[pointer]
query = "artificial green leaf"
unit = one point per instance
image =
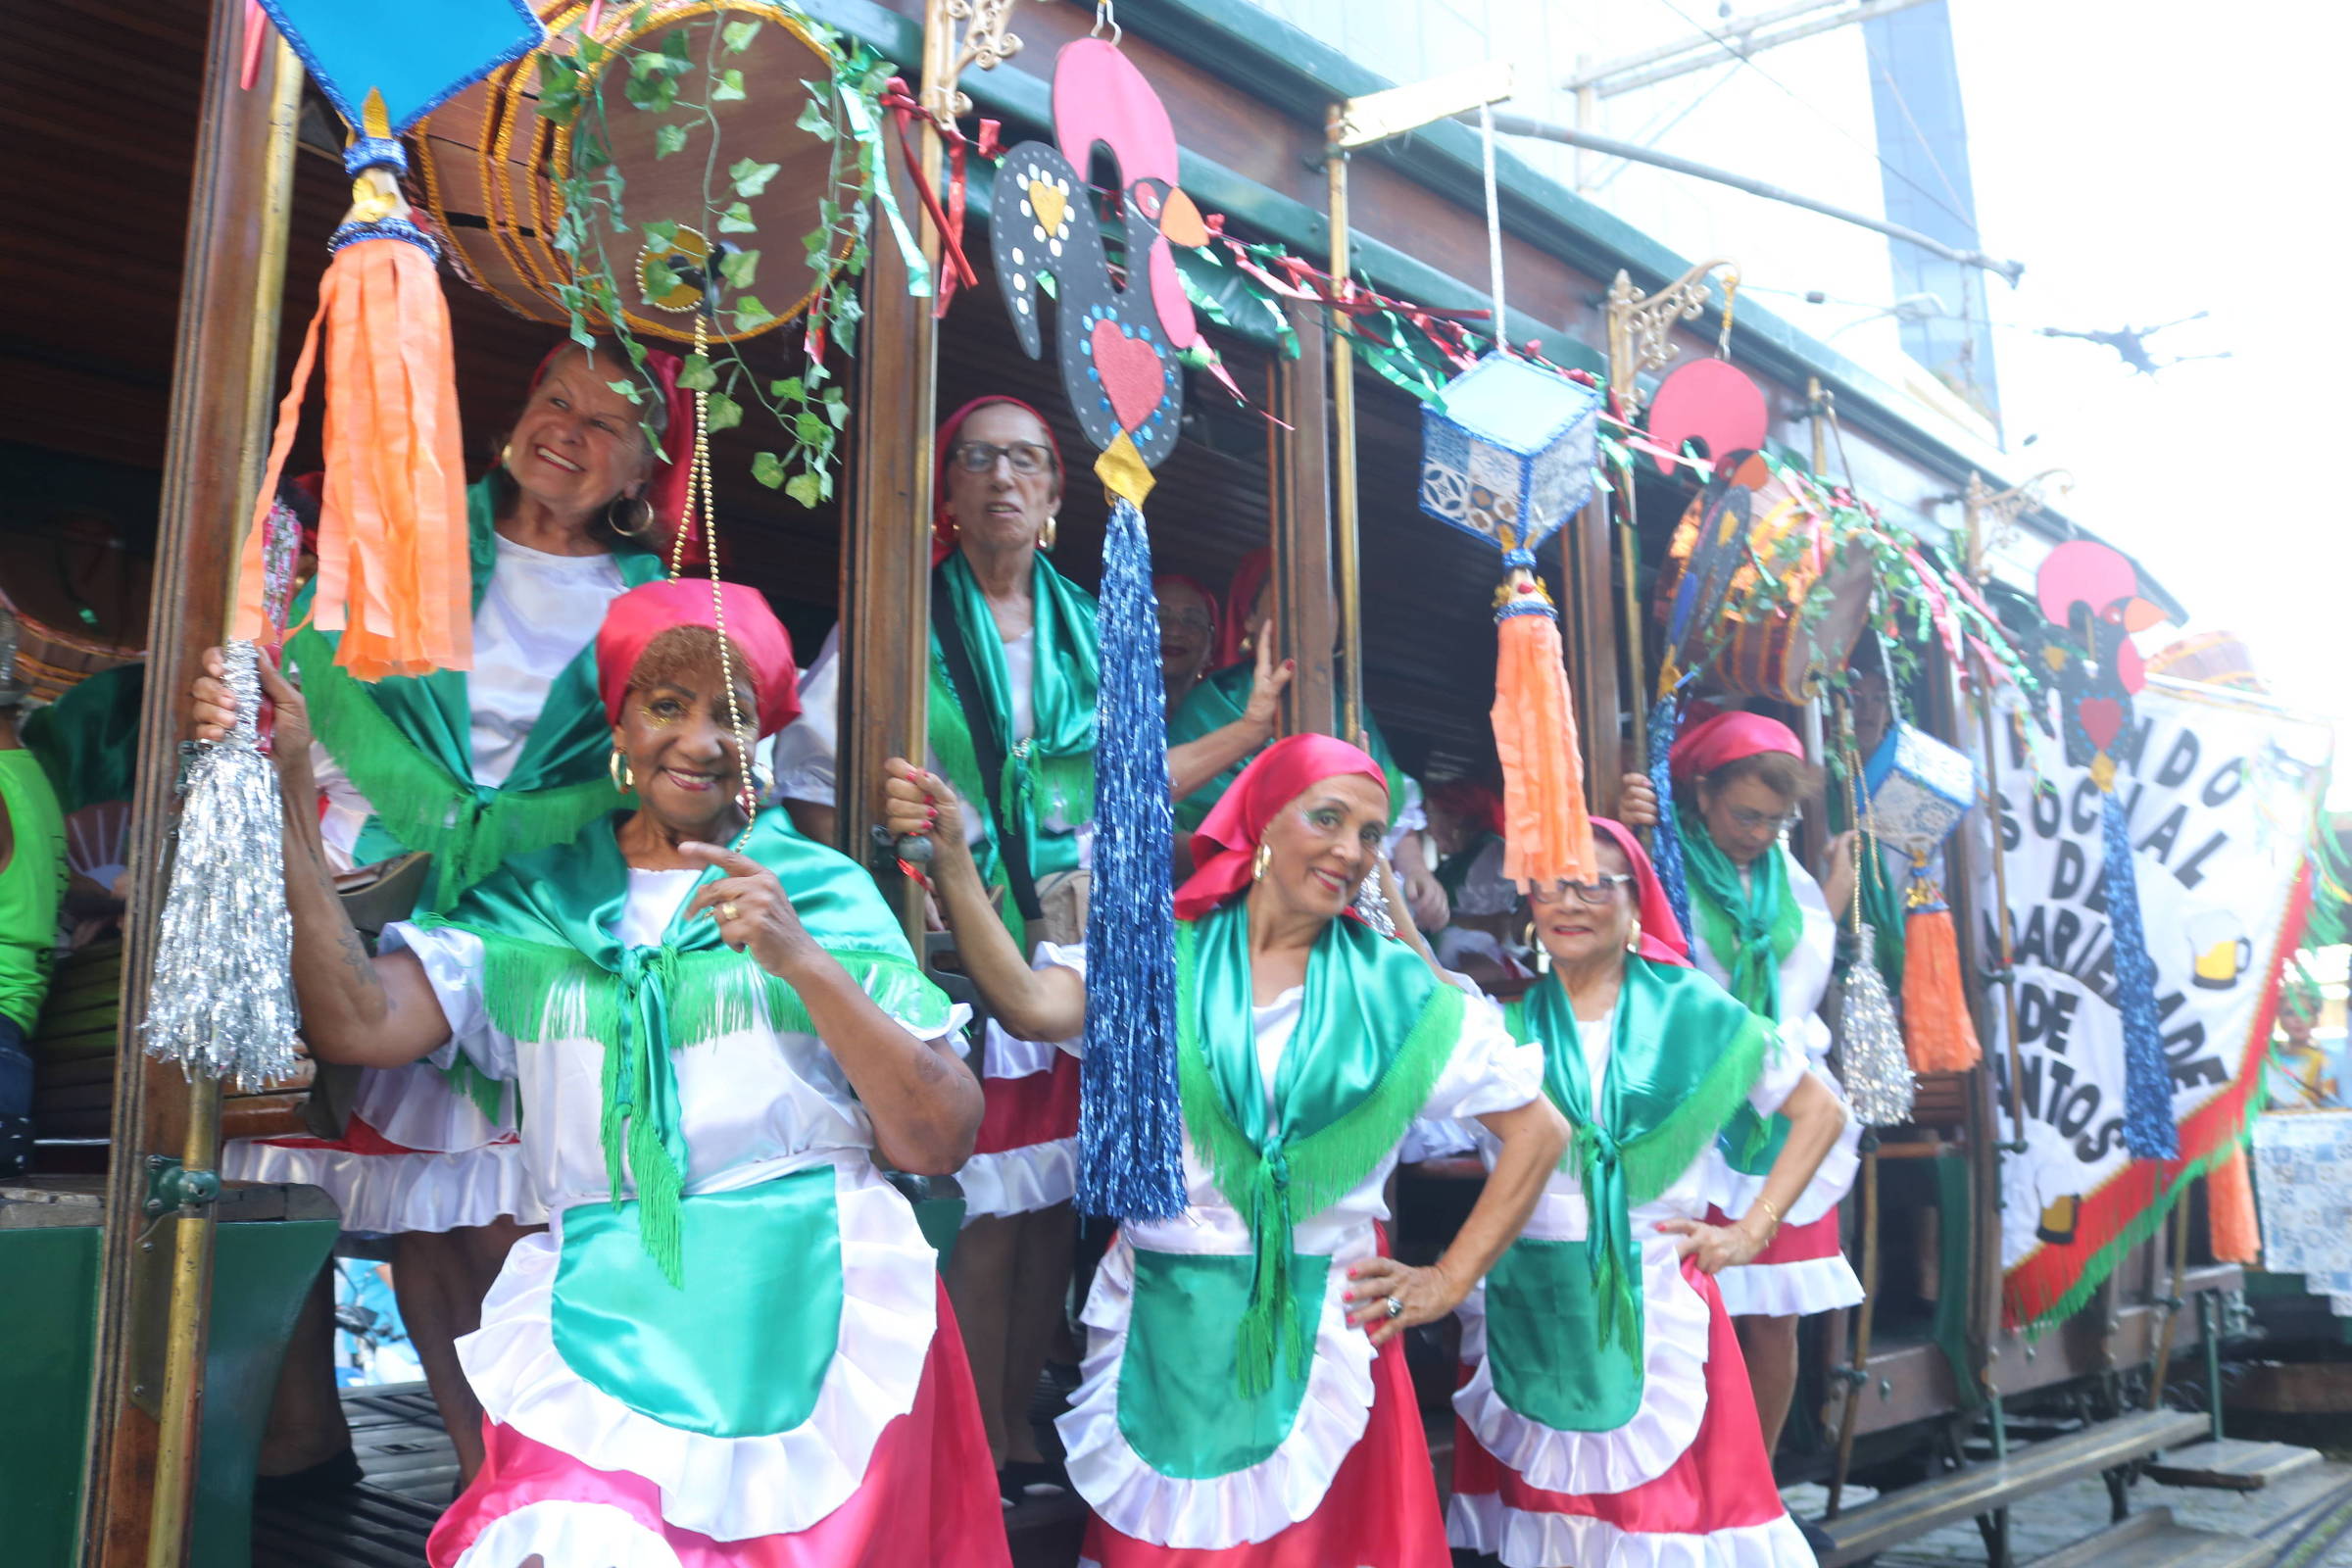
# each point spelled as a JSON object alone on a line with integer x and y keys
{"x": 750, "y": 176}
{"x": 750, "y": 313}
{"x": 721, "y": 412}
{"x": 838, "y": 411}
{"x": 769, "y": 470}
{"x": 668, "y": 139}
{"x": 591, "y": 51}
{"x": 661, "y": 232}
{"x": 810, "y": 430}
{"x": 814, "y": 120}
{"x": 739, "y": 35}
{"x": 805, "y": 488}
{"x": 627, "y": 388}
{"x": 739, "y": 268}
{"x": 676, "y": 46}
{"x": 737, "y": 220}
{"x": 696, "y": 375}
{"x": 729, "y": 87}
{"x": 787, "y": 390}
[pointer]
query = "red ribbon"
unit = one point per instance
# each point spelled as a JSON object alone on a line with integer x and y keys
{"x": 904, "y": 108}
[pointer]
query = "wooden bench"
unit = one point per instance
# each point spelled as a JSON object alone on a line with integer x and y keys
{"x": 2154, "y": 1539}
{"x": 1980, "y": 1488}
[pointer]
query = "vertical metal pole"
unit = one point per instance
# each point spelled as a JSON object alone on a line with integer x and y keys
{"x": 2209, "y": 1323}
{"x": 1346, "y": 560}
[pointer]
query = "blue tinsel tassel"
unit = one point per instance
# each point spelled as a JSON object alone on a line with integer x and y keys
{"x": 1130, "y": 1125}
{"x": 1666, "y": 844}
{"x": 2149, "y": 1131}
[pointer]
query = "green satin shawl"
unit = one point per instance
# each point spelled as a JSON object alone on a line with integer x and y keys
{"x": 554, "y": 969}
{"x": 1221, "y": 699}
{"x": 1050, "y": 774}
{"x": 1375, "y": 1031}
{"x": 407, "y": 743}
{"x": 1683, "y": 1058}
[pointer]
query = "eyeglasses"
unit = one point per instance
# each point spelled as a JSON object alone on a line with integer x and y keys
{"x": 1197, "y": 620}
{"x": 1595, "y": 893}
{"x": 1753, "y": 820}
{"x": 978, "y": 456}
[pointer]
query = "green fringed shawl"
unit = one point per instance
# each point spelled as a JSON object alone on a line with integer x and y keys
{"x": 1375, "y": 1031}
{"x": 1750, "y": 928}
{"x": 1683, "y": 1058}
{"x": 1050, "y": 774}
{"x": 407, "y": 744}
{"x": 1221, "y": 699}
{"x": 553, "y": 970}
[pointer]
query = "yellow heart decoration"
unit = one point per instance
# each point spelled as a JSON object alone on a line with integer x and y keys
{"x": 1050, "y": 203}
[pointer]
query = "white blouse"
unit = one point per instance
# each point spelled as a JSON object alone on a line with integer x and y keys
{"x": 1489, "y": 1072}
{"x": 754, "y": 1104}
{"x": 537, "y": 615}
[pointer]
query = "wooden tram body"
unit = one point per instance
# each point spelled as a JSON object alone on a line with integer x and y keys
{"x": 135, "y": 86}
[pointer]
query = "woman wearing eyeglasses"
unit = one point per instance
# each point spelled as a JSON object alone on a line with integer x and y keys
{"x": 1767, "y": 932}
{"x": 1603, "y": 1418}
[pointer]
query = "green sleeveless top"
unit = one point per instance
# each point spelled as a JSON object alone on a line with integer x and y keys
{"x": 31, "y": 886}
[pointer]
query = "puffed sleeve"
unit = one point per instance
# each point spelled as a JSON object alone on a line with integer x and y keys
{"x": 453, "y": 967}
{"x": 1489, "y": 1072}
{"x": 806, "y": 747}
{"x": 1785, "y": 1064}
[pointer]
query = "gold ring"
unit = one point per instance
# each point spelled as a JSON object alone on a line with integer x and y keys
{"x": 727, "y": 910}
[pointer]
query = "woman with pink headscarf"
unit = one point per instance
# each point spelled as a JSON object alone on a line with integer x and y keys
{"x": 1767, "y": 932}
{"x": 1604, "y": 1417}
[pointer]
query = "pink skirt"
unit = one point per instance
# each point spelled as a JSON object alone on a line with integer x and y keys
{"x": 1802, "y": 1272}
{"x": 929, "y": 1497}
{"x": 1381, "y": 1511}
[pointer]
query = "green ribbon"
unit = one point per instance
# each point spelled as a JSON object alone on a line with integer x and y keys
{"x": 861, "y": 115}
{"x": 1375, "y": 1031}
{"x": 1223, "y": 699}
{"x": 554, "y": 969}
{"x": 1683, "y": 1058}
{"x": 407, "y": 743}
{"x": 1050, "y": 774}
{"x": 1751, "y": 928}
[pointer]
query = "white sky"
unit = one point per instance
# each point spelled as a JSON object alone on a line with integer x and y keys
{"x": 2143, "y": 161}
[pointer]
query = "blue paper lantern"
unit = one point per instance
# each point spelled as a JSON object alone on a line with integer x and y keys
{"x": 1507, "y": 451}
{"x": 1919, "y": 789}
{"x": 417, "y": 54}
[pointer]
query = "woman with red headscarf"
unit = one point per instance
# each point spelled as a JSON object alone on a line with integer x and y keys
{"x": 1603, "y": 1415}
{"x": 732, "y": 1348}
{"x": 473, "y": 767}
{"x": 1768, "y": 933}
{"x": 1244, "y": 1398}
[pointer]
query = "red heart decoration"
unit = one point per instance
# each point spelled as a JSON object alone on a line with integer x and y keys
{"x": 1131, "y": 371}
{"x": 2102, "y": 719}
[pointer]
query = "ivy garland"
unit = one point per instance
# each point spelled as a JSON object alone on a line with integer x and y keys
{"x": 679, "y": 79}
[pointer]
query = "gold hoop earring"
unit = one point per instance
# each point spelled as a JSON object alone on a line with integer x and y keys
{"x": 1052, "y": 531}
{"x": 1537, "y": 953}
{"x": 630, "y": 517}
{"x": 506, "y": 457}
{"x": 1264, "y": 859}
{"x": 1632, "y": 938}
{"x": 625, "y": 776}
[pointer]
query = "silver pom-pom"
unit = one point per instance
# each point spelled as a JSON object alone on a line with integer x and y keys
{"x": 224, "y": 990}
{"x": 1870, "y": 1052}
{"x": 1372, "y": 903}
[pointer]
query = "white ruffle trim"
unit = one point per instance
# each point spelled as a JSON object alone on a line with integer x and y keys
{"x": 1736, "y": 1193}
{"x": 731, "y": 1488}
{"x": 415, "y": 1107}
{"x": 1019, "y": 1181}
{"x": 1243, "y": 1507}
{"x": 556, "y": 1532}
{"x": 1790, "y": 1290}
{"x": 1674, "y": 1397}
{"x": 394, "y": 1193}
{"x": 1482, "y": 1522}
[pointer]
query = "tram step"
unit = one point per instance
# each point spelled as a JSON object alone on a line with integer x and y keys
{"x": 1979, "y": 1489}
{"x": 2232, "y": 1464}
{"x": 2152, "y": 1539}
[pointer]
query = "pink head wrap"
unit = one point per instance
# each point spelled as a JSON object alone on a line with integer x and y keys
{"x": 1724, "y": 740}
{"x": 1227, "y": 842}
{"x": 942, "y": 527}
{"x": 1662, "y": 940}
{"x": 634, "y": 620}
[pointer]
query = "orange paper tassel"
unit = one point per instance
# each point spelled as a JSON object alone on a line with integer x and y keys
{"x": 1546, "y": 833}
{"x": 1937, "y": 1027}
{"x": 393, "y": 572}
{"x": 2230, "y": 1210}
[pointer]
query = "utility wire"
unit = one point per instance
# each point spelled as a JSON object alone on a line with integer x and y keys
{"x": 1651, "y": 137}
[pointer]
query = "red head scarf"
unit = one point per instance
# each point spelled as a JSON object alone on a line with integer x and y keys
{"x": 634, "y": 620}
{"x": 1662, "y": 940}
{"x": 1724, "y": 740}
{"x": 1473, "y": 802}
{"x": 1216, "y": 614}
{"x": 1250, "y": 574}
{"x": 666, "y": 491}
{"x": 943, "y": 528}
{"x": 1227, "y": 842}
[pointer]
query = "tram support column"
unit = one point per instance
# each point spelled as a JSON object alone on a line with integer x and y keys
{"x": 224, "y": 369}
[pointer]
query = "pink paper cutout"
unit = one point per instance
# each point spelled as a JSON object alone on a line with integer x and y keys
{"x": 1714, "y": 401}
